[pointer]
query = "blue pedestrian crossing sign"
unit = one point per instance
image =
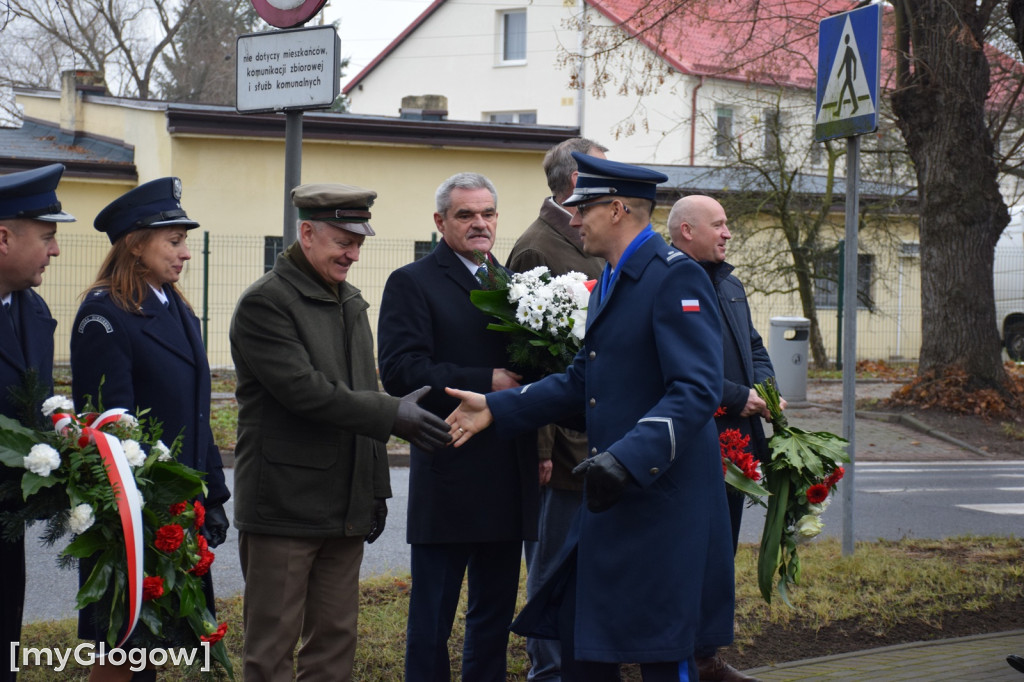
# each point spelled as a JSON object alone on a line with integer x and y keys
{"x": 848, "y": 69}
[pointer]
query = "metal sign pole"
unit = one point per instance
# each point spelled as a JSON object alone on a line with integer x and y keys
{"x": 292, "y": 171}
{"x": 850, "y": 332}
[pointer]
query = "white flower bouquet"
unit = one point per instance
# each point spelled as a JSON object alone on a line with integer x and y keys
{"x": 546, "y": 315}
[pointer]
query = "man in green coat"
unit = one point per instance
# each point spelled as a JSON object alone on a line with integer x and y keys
{"x": 311, "y": 470}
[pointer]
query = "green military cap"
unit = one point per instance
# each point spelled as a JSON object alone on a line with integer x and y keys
{"x": 344, "y": 206}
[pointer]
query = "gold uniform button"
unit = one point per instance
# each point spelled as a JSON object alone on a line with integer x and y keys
{"x": 593, "y": 354}
{"x": 593, "y": 451}
{"x": 654, "y": 471}
{"x": 593, "y": 401}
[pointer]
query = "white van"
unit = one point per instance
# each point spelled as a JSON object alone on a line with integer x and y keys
{"x": 1008, "y": 272}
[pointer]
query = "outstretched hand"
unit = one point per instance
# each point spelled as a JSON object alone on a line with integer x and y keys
{"x": 423, "y": 429}
{"x": 471, "y": 416}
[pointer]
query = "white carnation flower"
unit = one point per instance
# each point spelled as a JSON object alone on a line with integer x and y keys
{"x": 162, "y": 450}
{"x": 580, "y": 296}
{"x": 517, "y": 290}
{"x": 544, "y": 292}
{"x": 57, "y": 402}
{"x": 42, "y": 459}
{"x": 142, "y": 500}
{"x": 579, "y": 323}
{"x": 809, "y": 526}
{"x": 537, "y": 272}
{"x": 129, "y": 420}
{"x": 133, "y": 452}
{"x": 82, "y": 518}
{"x": 819, "y": 509}
{"x": 572, "y": 277}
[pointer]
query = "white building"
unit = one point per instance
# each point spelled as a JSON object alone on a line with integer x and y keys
{"x": 694, "y": 87}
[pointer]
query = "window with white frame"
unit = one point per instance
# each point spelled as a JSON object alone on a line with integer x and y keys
{"x": 723, "y": 132}
{"x": 772, "y": 133}
{"x": 513, "y": 37}
{"x": 826, "y": 281}
{"x": 524, "y": 117}
{"x": 817, "y": 156}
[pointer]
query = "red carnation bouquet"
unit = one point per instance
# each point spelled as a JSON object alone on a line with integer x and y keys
{"x": 106, "y": 479}
{"x": 802, "y": 470}
{"x": 739, "y": 466}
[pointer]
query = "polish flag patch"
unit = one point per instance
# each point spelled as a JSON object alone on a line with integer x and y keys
{"x": 691, "y": 305}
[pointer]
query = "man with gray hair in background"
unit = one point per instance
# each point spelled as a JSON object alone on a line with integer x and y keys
{"x": 552, "y": 242}
{"x": 469, "y": 509}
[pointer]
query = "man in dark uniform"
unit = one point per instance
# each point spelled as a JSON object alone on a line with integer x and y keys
{"x": 650, "y": 548}
{"x": 697, "y": 226}
{"x": 552, "y": 242}
{"x": 311, "y": 469}
{"x": 29, "y": 211}
{"x": 469, "y": 509}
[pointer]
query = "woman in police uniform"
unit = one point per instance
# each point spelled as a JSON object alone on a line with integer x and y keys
{"x": 136, "y": 344}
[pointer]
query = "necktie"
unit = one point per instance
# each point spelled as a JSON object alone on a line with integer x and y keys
{"x": 9, "y": 314}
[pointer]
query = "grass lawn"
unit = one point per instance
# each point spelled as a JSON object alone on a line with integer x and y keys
{"x": 875, "y": 593}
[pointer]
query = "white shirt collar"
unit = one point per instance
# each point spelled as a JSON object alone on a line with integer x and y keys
{"x": 470, "y": 265}
{"x": 159, "y": 294}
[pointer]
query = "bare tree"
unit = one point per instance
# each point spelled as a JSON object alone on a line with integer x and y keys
{"x": 199, "y": 65}
{"x": 950, "y": 111}
{"x": 783, "y": 205}
{"x": 121, "y": 38}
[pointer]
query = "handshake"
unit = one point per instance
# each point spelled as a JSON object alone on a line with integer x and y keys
{"x": 423, "y": 429}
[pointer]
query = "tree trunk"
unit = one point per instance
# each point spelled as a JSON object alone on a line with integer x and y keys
{"x": 805, "y": 286}
{"x": 939, "y": 102}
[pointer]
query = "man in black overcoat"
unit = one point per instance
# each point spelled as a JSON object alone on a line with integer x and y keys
{"x": 469, "y": 509}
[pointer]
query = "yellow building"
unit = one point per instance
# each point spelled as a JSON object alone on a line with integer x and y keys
{"x": 232, "y": 170}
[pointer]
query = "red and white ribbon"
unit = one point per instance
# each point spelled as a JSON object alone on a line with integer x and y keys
{"x": 126, "y": 498}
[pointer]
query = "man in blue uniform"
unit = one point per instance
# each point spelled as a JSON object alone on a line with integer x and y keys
{"x": 698, "y": 227}
{"x": 649, "y": 553}
{"x": 550, "y": 241}
{"x": 29, "y": 212}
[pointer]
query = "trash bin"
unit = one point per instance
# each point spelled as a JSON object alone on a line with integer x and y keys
{"x": 788, "y": 342}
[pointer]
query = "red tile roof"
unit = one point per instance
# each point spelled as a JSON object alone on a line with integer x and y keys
{"x": 736, "y": 39}
{"x": 731, "y": 39}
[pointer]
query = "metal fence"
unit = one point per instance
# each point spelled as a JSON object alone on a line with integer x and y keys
{"x": 223, "y": 266}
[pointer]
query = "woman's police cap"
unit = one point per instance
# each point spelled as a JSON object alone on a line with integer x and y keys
{"x": 344, "y": 206}
{"x": 156, "y": 203}
{"x": 33, "y": 194}
{"x": 601, "y": 177}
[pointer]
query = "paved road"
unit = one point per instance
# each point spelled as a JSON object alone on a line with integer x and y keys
{"x": 50, "y": 592}
{"x": 923, "y": 500}
{"x": 893, "y": 500}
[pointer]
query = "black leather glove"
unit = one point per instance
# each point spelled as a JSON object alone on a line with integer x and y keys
{"x": 604, "y": 480}
{"x": 215, "y": 527}
{"x": 421, "y": 428}
{"x": 380, "y": 516}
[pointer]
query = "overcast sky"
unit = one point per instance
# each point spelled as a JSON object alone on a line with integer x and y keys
{"x": 367, "y": 26}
